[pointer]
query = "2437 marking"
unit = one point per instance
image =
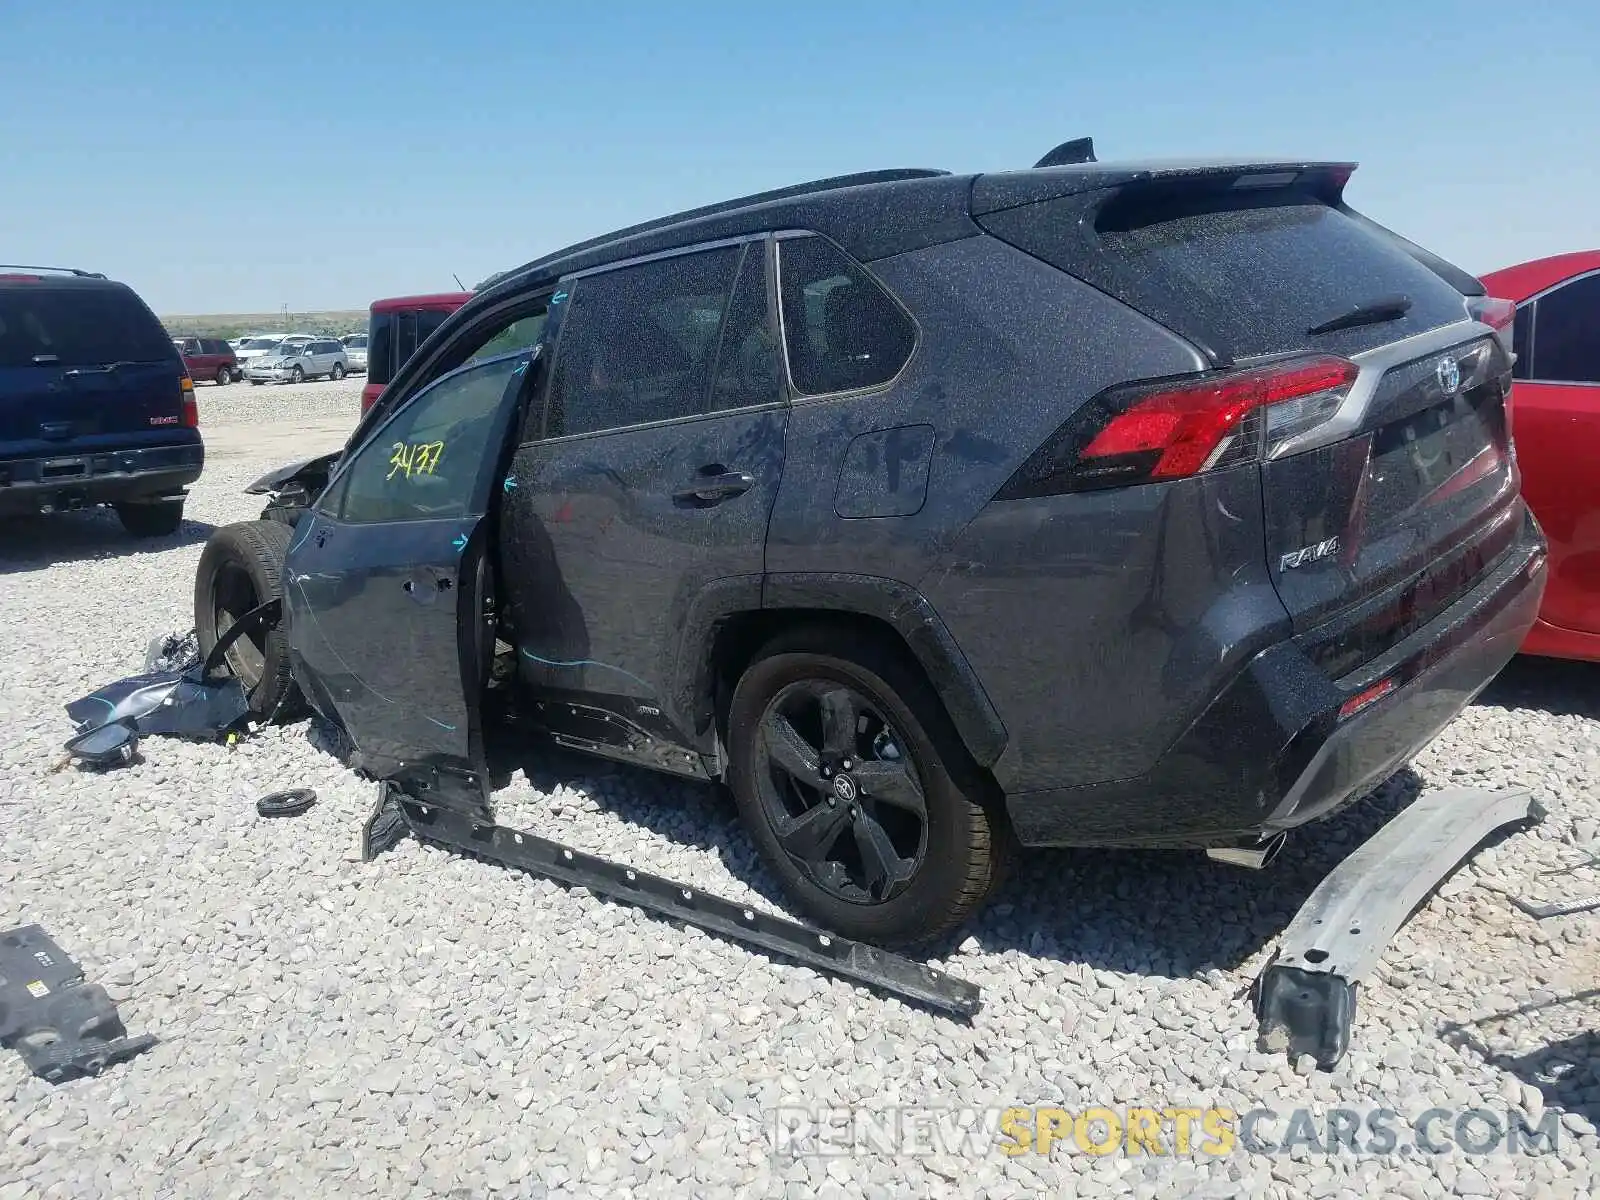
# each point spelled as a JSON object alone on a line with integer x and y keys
{"x": 415, "y": 458}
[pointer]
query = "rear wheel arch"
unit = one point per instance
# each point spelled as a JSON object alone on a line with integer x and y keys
{"x": 738, "y": 639}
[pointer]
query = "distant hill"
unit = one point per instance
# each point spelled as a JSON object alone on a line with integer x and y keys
{"x": 231, "y": 325}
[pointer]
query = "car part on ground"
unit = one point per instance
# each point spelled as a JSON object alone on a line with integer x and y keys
{"x": 290, "y": 803}
{"x": 114, "y": 744}
{"x": 1305, "y": 997}
{"x": 191, "y": 698}
{"x": 64, "y": 1027}
{"x": 826, "y": 952}
{"x": 1557, "y": 908}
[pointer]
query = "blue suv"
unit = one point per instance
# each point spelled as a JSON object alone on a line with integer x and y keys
{"x": 96, "y": 405}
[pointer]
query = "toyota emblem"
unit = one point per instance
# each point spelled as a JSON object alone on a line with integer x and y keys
{"x": 845, "y": 788}
{"x": 1449, "y": 374}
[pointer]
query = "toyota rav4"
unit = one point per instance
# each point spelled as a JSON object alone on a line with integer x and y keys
{"x": 1090, "y": 504}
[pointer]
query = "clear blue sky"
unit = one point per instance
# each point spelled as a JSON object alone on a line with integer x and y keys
{"x": 322, "y": 155}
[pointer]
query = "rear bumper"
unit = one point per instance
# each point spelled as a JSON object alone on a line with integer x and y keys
{"x": 50, "y": 484}
{"x": 1272, "y": 751}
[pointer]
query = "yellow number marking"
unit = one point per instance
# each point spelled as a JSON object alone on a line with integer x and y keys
{"x": 420, "y": 458}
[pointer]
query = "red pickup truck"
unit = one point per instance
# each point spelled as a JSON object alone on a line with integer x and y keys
{"x": 209, "y": 358}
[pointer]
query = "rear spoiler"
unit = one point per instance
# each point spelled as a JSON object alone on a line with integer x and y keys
{"x": 1326, "y": 180}
{"x": 1008, "y": 189}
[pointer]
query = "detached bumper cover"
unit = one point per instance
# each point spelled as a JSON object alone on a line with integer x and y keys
{"x": 1305, "y": 998}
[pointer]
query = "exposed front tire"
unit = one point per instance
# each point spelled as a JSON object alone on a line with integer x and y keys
{"x": 224, "y": 376}
{"x": 337, "y": 373}
{"x": 158, "y": 519}
{"x": 297, "y": 375}
{"x": 844, "y": 769}
{"x": 241, "y": 568}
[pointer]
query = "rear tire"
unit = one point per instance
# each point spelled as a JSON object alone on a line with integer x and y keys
{"x": 337, "y": 373}
{"x": 159, "y": 519}
{"x": 944, "y": 870}
{"x": 240, "y": 568}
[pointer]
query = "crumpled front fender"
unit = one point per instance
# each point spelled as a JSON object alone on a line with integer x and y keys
{"x": 308, "y": 474}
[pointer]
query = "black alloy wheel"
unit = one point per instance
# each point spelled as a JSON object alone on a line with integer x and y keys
{"x": 844, "y": 803}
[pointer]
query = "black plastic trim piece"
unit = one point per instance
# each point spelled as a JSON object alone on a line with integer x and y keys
{"x": 826, "y": 952}
{"x": 908, "y": 612}
{"x": 289, "y": 803}
{"x": 64, "y": 1027}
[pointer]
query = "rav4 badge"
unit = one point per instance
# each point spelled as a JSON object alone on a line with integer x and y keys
{"x": 1308, "y": 554}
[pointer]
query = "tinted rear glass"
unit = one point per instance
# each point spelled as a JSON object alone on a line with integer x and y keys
{"x": 77, "y": 327}
{"x": 1251, "y": 274}
{"x": 380, "y": 348}
{"x": 1566, "y": 334}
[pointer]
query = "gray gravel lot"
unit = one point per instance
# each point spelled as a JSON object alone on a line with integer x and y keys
{"x": 432, "y": 1025}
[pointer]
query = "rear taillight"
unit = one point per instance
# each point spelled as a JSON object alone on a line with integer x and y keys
{"x": 1180, "y": 427}
{"x": 191, "y": 410}
{"x": 1496, "y": 313}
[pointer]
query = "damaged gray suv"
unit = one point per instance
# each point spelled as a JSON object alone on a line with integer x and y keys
{"x": 933, "y": 514}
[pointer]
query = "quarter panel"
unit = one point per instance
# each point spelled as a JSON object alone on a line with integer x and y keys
{"x": 1102, "y": 623}
{"x": 1008, "y": 348}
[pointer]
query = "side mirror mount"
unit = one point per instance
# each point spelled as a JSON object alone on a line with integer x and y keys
{"x": 108, "y": 745}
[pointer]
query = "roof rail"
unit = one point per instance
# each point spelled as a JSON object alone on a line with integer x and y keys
{"x": 859, "y": 179}
{"x": 57, "y": 270}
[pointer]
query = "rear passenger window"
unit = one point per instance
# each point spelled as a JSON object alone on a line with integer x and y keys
{"x": 1566, "y": 337}
{"x": 638, "y": 344}
{"x": 841, "y": 330}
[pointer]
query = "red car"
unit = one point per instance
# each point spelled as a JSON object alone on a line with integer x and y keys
{"x": 208, "y": 358}
{"x": 396, "y": 327}
{"x": 1555, "y": 418}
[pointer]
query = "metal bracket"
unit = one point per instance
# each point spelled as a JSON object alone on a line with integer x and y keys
{"x": 826, "y": 952}
{"x": 1305, "y": 997}
{"x": 1559, "y": 908}
{"x": 64, "y": 1027}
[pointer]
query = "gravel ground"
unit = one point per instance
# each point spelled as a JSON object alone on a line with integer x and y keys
{"x": 431, "y": 1025}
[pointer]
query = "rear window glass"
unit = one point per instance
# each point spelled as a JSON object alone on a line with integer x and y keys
{"x": 380, "y": 348}
{"x": 841, "y": 330}
{"x": 1252, "y": 274}
{"x": 77, "y": 327}
{"x": 1566, "y": 334}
